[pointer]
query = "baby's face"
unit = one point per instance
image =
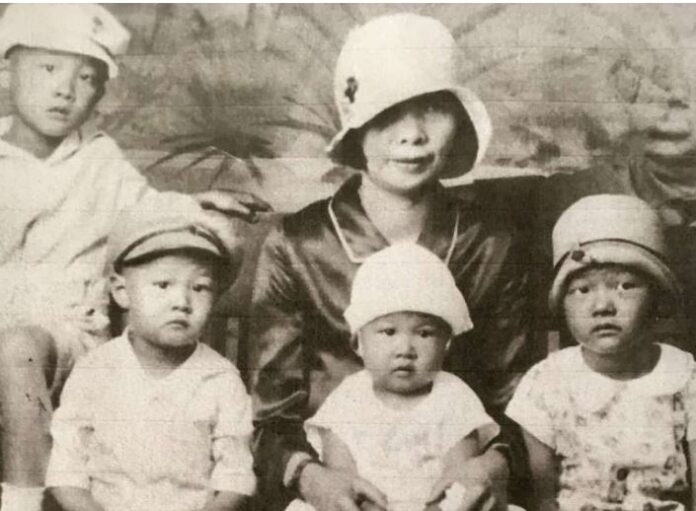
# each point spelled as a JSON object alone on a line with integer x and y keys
{"x": 53, "y": 92}
{"x": 607, "y": 309}
{"x": 409, "y": 145}
{"x": 403, "y": 351}
{"x": 168, "y": 299}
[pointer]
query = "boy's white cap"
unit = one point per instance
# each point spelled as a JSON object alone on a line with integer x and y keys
{"x": 610, "y": 229}
{"x": 391, "y": 59}
{"x": 406, "y": 277}
{"x": 85, "y": 29}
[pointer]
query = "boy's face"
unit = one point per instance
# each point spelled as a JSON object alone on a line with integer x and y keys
{"x": 168, "y": 299}
{"x": 408, "y": 146}
{"x": 403, "y": 351}
{"x": 607, "y": 309}
{"x": 53, "y": 92}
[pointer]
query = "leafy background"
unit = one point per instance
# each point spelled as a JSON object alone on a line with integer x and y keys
{"x": 240, "y": 95}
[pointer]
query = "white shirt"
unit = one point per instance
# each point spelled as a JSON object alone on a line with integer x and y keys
{"x": 401, "y": 452}
{"x": 55, "y": 215}
{"x": 144, "y": 444}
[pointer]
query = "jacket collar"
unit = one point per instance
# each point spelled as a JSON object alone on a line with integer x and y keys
{"x": 360, "y": 238}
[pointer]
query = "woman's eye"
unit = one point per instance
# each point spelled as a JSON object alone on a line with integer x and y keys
{"x": 578, "y": 290}
{"x": 88, "y": 78}
{"x": 48, "y": 67}
{"x": 162, "y": 284}
{"x": 202, "y": 288}
{"x": 388, "y": 331}
{"x": 627, "y": 285}
{"x": 427, "y": 333}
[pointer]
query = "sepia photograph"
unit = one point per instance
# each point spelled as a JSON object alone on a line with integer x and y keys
{"x": 347, "y": 257}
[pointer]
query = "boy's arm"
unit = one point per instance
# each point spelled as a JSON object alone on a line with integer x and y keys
{"x": 232, "y": 472}
{"x": 692, "y": 471}
{"x": 544, "y": 467}
{"x": 75, "y": 499}
{"x": 71, "y": 423}
{"x": 233, "y": 203}
{"x": 226, "y": 501}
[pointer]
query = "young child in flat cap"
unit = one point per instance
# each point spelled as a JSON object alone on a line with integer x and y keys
{"x": 61, "y": 186}
{"x": 399, "y": 422}
{"x": 607, "y": 422}
{"x": 155, "y": 420}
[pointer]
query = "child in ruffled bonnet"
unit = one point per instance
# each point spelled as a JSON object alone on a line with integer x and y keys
{"x": 607, "y": 422}
{"x": 154, "y": 420}
{"x": 399, "y": 422}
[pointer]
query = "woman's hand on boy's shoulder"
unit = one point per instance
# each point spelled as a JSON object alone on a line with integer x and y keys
{"x": 233, "y": 203}
{"x": 485, "y": 479}
{"x": 336, "y": 490}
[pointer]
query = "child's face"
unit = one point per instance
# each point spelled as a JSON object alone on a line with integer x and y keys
{"x": 403, "y": 351}
{"x": 408, "y": 146}
{"x": 53, "y": 92}
{"x": 607, "y": 309}
{"x": 168, "y": 299}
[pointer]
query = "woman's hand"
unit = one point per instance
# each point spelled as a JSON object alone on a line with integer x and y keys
{"x": 334, "y": 490}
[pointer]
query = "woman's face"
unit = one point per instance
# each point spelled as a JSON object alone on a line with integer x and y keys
{"x": 409, "y": 146}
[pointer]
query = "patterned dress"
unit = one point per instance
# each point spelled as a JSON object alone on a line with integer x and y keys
{"x": 621, "y": 444}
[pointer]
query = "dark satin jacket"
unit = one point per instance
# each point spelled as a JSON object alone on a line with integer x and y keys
{"x": 300, "y": 343}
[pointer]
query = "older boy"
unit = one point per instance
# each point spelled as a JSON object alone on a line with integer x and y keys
{"x": 61, "y": 186}
{"x": 154, "y": 420}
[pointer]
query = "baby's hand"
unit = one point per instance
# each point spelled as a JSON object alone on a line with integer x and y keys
{"x": 446, "y": 496}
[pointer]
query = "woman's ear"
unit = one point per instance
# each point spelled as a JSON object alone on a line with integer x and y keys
{"x": 117, "y": 284}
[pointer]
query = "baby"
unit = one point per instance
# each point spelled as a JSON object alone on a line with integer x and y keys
{"x": 402, "y": 420}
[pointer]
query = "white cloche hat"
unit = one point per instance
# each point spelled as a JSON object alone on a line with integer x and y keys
{"x": 610, "y": 229}
{"x": 391, "y": 59}
{"x": 406, "y": 277}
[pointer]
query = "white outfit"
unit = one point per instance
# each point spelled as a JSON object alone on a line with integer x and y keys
{"x": 400, "y": 452}
{"x": 55, "y": 215}
{"x": 143, "y": 444}
{"x": 620, "y": 443}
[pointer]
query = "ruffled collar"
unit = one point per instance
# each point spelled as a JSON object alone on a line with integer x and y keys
{"x": 593, "y": 391}
{"x": 360, "y": 238}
